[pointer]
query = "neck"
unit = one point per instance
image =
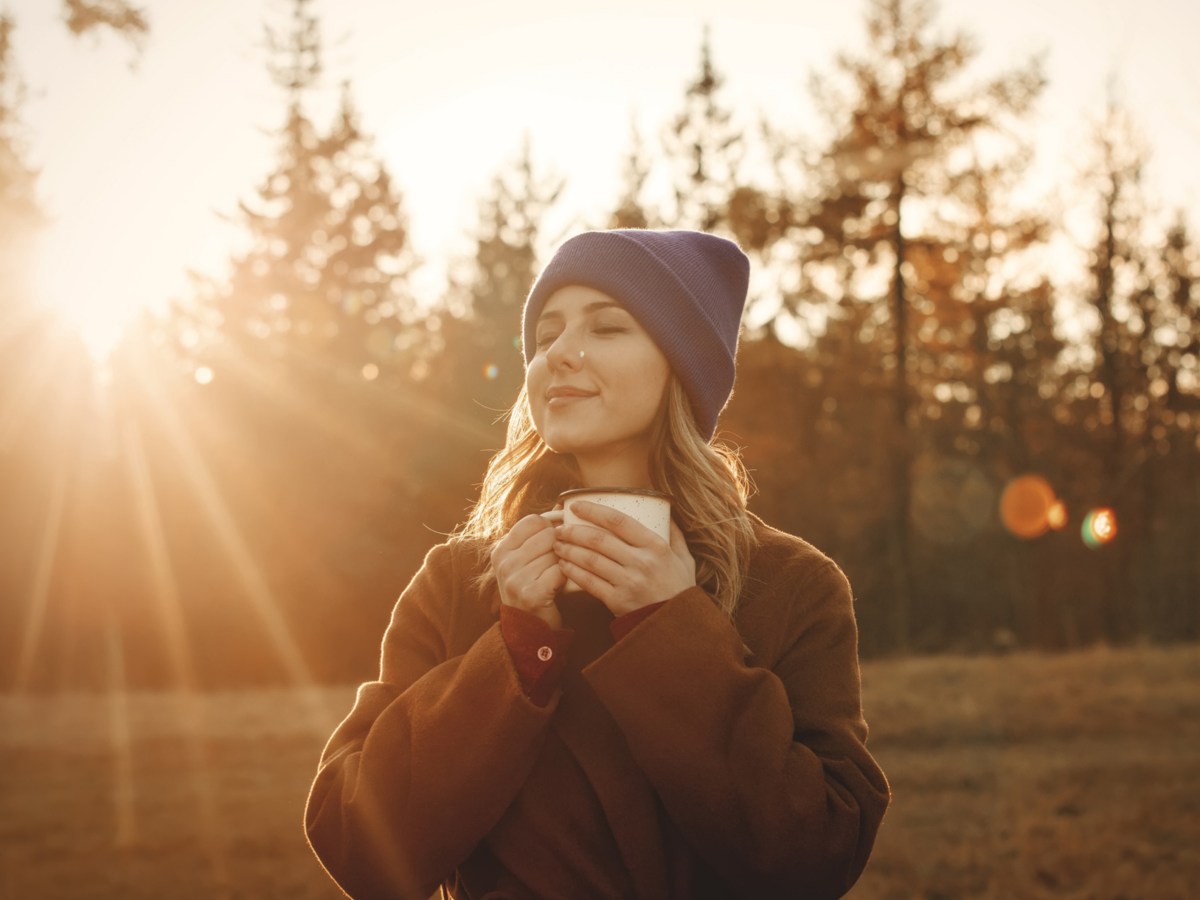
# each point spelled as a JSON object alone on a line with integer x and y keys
{"x": 609, "y": 472}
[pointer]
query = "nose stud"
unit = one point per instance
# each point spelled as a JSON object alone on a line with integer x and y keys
{"x": 581, "y": 354}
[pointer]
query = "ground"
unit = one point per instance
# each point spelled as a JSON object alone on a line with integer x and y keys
{"x": 1026, "y": 776}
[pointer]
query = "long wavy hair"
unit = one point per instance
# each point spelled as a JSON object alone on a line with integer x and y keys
{"x": 706, "y": 481}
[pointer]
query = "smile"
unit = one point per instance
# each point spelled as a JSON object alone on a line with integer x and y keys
{"x": 560, "y": 396}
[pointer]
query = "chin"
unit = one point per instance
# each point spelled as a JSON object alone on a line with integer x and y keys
{"x": 565, "y": 444}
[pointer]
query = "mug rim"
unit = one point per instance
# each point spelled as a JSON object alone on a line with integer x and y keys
{"x": 643, "y": 492}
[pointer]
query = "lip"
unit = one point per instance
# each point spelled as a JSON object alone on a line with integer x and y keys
{"x": 564, "y": 392}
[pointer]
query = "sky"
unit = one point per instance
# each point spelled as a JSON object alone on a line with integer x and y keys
{"x": 144, "y": 156}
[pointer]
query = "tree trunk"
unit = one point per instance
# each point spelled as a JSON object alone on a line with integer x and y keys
{"x": 901, "y": 543}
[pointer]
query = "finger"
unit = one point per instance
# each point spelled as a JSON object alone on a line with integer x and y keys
{"x": 528, "y": 526}
{"x": 588, "y": 581}
{"x": 525, "y": 530}
{"x": 535, "y": 584}
{"x": 628, "y": 529}
{"x": 590, "y": 558}
{"x": 598, "y": 540}
{"x": 523, "y": 545}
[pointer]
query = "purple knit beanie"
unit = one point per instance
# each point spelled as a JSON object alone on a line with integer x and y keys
{"x": 686, "y": 288}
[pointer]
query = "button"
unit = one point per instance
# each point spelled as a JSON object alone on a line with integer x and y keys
{"x": 544, "y": 653}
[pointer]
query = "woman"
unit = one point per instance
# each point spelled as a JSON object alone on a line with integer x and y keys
{"x": 690, "y": 725}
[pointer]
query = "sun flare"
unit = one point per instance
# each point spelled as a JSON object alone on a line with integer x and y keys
{"x": 88, "y": 291}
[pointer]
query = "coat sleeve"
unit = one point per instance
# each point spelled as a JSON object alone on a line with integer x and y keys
{"x": 431, "y": 754}
{"x": 765, "y": 771}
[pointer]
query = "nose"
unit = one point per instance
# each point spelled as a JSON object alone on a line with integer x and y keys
{"x": 565, "y": 352}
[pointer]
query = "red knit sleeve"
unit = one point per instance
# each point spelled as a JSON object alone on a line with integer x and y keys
{"x": 539, "y": 652}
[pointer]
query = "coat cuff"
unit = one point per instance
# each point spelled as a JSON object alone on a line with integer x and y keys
{"x": 622, "y": 625}
{"x": 538, "y": 652}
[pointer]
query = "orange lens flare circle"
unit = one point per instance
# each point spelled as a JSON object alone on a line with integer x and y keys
{"x": 1028, "y": 507}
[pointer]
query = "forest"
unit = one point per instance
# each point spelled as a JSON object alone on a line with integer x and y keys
{"x": 997, "y": 439}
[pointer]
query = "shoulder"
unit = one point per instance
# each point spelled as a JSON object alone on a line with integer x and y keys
{"x": 446, "y": 604}
{"x": 790, "y": 587}
{"x": 458, "y": 556}
{"x": 781, "y": 558}
{"x": 448, "y": 578}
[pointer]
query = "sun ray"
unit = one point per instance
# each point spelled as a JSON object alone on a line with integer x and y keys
{"x": 190, "y": 707}
{"x": 31, "y": 383}
{"x": 43, "y": 574}
{"x": 352, "y": 431}
{"x": 224, "y": 526}
{"x": 166, "y": 591}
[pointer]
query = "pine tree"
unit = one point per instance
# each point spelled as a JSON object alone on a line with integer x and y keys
{"x": 1117, "y": 402}
{"x": 899, "y": 137}
{"x": 1180, "y": 278}
{"x": 482, "y": 333}
{"x": 326, "y": 277}
{"x": 1179, "y": 429}
{"x": 631, "y": 210}
{"x": 704, "y": 150}
{"x": 20, "y": 215}
{"x": 86, "y": 16}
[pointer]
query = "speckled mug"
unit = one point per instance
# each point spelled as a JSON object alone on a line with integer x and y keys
{"x": 650, "y": 508}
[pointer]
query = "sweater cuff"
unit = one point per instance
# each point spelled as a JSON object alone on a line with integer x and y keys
{"x": 622, "y": 625}
{"x": 538, "y": 652}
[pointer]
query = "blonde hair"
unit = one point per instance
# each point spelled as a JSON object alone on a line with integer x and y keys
{"x": 706, "y": 481}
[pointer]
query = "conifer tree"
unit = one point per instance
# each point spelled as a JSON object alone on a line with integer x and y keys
{"x": 704, "y": 149}
{"x": 898, "y": 129}
{"x": 327, "y": 269}
{"x": 1180, "y": 278}
{"x": 1179, "y": 428}
{"x": 1127, "y": 378}
{"x": 20, "y": 215}
{"x": 482, "y": 334}
{"x": 631, "y": 210}
{"x": 85, "y": 16}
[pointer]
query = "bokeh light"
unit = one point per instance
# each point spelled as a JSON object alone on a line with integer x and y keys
{"x": 491, "y": 371}
{"x": 1099, "y": 527}
{"x": 1028, "y": 507}
{"x": 203, "y": 375}
{"x": 1056, "y": 516}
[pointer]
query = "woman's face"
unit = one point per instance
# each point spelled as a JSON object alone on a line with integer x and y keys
{"x": 598, "y": 406}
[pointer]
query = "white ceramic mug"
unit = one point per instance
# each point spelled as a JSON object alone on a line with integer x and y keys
{"x": 651, "y": 508}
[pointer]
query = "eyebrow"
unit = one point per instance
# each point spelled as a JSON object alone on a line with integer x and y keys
{"x": 594, "y": 306}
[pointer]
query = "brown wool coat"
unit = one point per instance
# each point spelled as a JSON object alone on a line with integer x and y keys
{"x": 690, "y": 759}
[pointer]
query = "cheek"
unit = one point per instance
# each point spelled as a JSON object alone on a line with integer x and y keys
{"x": 656, "y": 376}
{"x": 535, "y": 376}
{"x": 535, "y": 387}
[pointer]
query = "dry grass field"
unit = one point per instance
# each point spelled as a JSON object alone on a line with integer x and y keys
{"x": 1014, "y": 777}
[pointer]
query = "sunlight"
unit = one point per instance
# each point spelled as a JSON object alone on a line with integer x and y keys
{"x": 87, "y": 280}
{"x": 43, "y": 573}
{"x": 31, "y": 392}
{"x": 166, "y": 588}
{"x": 347, "y": 429}
{"x": 120, "y": 740}
{"x": 212, "y": 506}
{"x": 26, "y": 393}
{"x": 166, "y": 591}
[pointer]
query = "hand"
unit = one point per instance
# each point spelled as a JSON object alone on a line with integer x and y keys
{"x": 620, "y": 561}
{"x": 527, "y": 570}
